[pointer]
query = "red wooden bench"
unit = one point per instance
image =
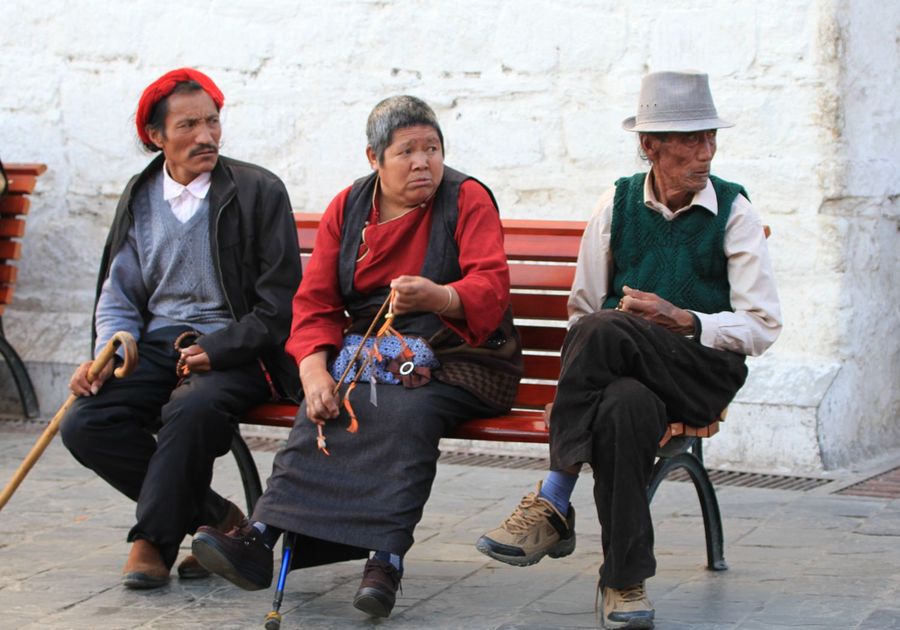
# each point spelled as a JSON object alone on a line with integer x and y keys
{"x": 542, "y": 257}
{"x": 14, "y": 204}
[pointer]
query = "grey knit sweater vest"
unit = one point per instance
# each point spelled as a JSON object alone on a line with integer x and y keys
{"x": 177, "y": 264}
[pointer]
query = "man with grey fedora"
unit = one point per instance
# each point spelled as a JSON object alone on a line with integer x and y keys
{"x": 673, "y": 289}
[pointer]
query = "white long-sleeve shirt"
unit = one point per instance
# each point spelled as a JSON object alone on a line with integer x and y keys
{"x": 756, "y": 321}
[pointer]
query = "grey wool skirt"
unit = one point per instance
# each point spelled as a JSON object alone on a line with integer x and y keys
{"x": 370, "y": 492}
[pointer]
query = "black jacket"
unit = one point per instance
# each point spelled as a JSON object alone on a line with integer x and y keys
{"x": 254, "y": 245}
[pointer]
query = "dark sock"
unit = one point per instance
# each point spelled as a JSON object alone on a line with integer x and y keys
{"x": 268, "y": 534}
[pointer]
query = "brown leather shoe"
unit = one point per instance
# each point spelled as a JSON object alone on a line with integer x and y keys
{"x": 378, "y": 590}
{"x": 190, "y": 568}
{"x": 145, "y": 567}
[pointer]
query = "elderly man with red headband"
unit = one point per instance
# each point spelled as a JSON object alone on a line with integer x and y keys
{"x": 200, "y": 265}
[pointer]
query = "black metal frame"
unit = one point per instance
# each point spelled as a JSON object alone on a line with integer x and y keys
{"x": 247, "y": 467}
{"x": 27, "y": 395}
{"x": 687, "y": 453}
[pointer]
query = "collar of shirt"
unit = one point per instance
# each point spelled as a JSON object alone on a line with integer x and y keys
{"x": 706, "y": 199}
{"x": 376, "y": 210}
{"x": 185, "y": 200}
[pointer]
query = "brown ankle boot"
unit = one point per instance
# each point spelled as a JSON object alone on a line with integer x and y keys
{"x": 378, "y": 590}
{"x": 190, "y": 568}
{"x": 145, "y": 567}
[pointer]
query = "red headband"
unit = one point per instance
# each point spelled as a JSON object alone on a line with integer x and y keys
{"x": 164, "y": 86}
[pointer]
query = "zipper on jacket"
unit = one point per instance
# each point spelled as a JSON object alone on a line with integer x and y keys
{"x": 218, "y": 260}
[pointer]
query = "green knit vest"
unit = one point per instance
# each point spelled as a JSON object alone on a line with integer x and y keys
{"x": 683, "y": 260}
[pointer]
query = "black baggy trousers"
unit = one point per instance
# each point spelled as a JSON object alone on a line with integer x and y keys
{"x": 622, "y": 380}
{"x": 169, "y": 477}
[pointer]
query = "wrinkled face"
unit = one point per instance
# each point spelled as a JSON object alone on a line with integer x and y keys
{"x": 412, "y": 167}
{"x": 681, "y": 161}
{"x": 190, "y": 140}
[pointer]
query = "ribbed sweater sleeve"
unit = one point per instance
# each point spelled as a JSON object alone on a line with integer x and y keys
{"x": 123, "y": 298}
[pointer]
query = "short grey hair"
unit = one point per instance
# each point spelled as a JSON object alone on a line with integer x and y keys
{"x": 397, "y": 112}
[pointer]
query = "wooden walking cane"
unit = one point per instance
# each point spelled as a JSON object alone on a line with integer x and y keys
{"x": 131, "y": 358}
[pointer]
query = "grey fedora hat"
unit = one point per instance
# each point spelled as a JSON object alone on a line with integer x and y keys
{"x": 675, "y": 101}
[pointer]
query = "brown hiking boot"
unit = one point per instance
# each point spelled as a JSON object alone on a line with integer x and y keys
{"x": 535, "y": 529}
{"x": 145, "y": 567}
{"x": 190, "y": 568}
{"x": 240, "y": 556}
{"x": 627, "y": 607}
{"x": 378, "y": 590}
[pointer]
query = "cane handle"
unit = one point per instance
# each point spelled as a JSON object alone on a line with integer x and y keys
{"x": 127, "y": 342}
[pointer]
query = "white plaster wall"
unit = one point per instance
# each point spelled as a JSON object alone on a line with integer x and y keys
{"x": 530, "y": 95}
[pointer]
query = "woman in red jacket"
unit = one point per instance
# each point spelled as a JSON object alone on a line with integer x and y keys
{"x": 431, "y": 238}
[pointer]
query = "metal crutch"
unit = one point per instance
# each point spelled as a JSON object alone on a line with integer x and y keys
{"x": 273, "y": 619}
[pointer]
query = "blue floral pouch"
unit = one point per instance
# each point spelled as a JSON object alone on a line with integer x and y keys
{"x": 392, "y": 368}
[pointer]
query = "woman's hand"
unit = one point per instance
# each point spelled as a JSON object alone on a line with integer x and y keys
{"x": 318, "y": 388}
{"x": 417, "y": 294}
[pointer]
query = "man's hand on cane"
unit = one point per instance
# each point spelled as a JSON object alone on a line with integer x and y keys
{"x": 79, "y": 383}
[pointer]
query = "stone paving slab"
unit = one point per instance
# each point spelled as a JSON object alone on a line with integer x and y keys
{"x": 796, "y": 559}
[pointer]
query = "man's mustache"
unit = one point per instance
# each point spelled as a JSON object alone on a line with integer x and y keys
{"x": 204, "y": 148}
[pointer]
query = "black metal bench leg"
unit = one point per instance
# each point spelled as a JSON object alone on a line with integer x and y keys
{"x": 247, "y": 468}
{"x": 20, "y": 375}
{"x": 712, "y": 518}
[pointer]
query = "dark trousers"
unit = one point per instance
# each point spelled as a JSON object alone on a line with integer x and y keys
{"x": 622, "y": 380}
{"x": 169, "y": 476}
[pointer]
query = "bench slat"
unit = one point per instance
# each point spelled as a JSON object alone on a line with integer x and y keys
{"x": 10, "y": 228}
{"x": 20, "y": 184}
{"x": 534, "y": 395}
{"x": 541, "y": 366}
{"x": 10, "y": 250}
{"x": 271, "y": 414}
{"x": 6, "y": 293}
{"x": 8, "y": 274}
{"x": 533, "y": 247}
{"x": 541, "y": 227}
{"x": 540, "y": 306}
{"x": 541, "y": 337}
{"x": 519, "y": 246}
{"x": 24, "y": 168}
{"x": 307, "y": 238}
{"x": 14, "y": 204}
{"x": 541, "y": 277}
{"x": 522, "y": 426}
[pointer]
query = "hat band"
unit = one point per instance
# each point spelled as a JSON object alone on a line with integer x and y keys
{"x": 676, "y": 115}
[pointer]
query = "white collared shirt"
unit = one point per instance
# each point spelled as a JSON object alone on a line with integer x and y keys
{"x": 185, "y": 200}
{"x": 756, "y": 321}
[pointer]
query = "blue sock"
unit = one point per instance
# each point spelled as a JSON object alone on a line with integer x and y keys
{"x": 394, "y": 559}
{"x": 557, "y": 488}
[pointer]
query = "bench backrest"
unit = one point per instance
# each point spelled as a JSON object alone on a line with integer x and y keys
{"x": 13, "y": 207}
{"x": 542, "y": 257}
